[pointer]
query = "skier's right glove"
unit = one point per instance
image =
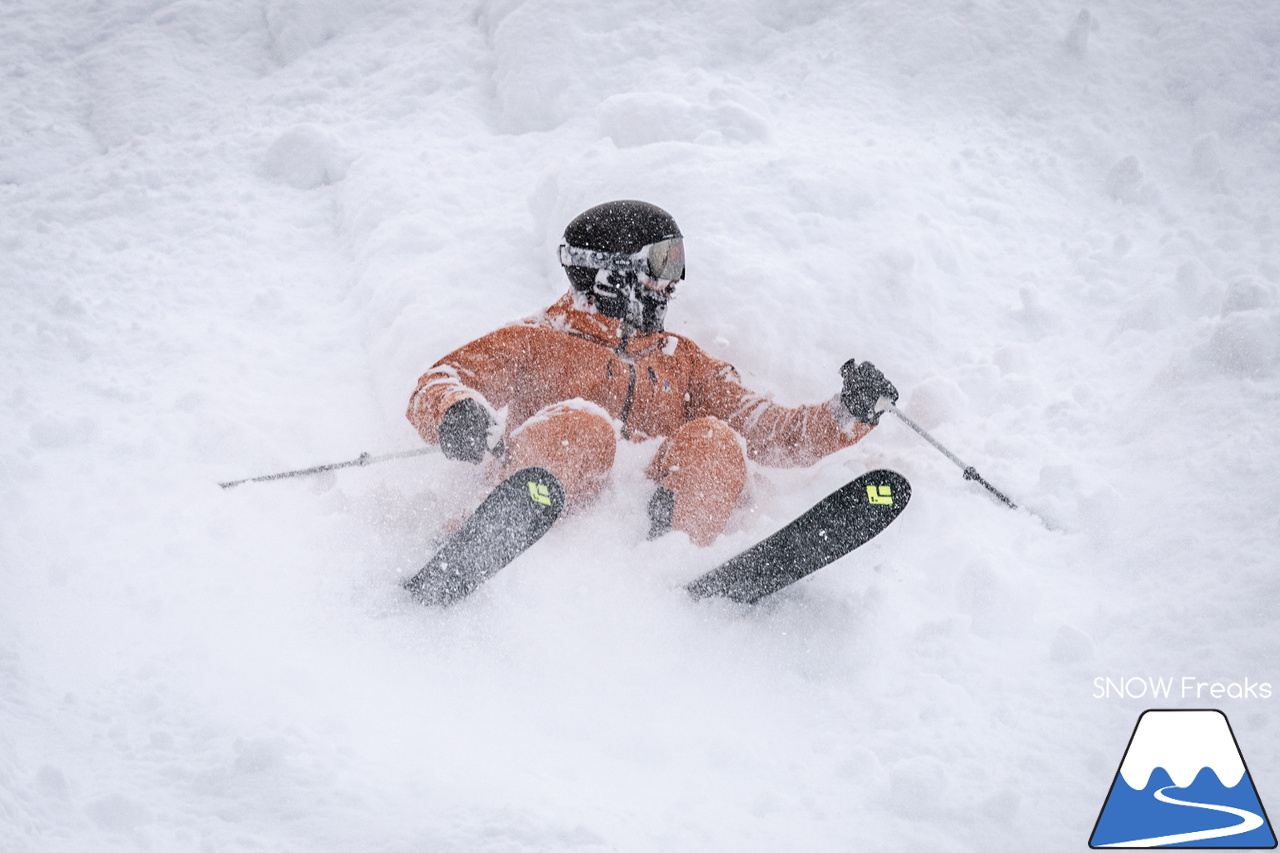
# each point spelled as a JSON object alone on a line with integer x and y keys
{"x": 864, "y": 385}
{"x": 464, "y": 431}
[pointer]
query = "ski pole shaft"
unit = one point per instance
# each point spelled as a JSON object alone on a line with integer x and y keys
{"x": 970, "y": 473}
{"x": 361, "y": 460}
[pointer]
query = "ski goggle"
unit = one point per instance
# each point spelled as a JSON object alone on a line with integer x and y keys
{"x": 661, "y": 261}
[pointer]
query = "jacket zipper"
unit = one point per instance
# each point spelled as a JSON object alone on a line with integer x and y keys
{"x": 631, "y": 383}
{"x": 626, "y": 406}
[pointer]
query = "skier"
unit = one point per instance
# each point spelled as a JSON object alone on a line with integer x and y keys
{"x": 558, "y": 390}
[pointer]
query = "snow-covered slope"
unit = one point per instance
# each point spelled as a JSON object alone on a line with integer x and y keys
{"x": 233, "y": 233}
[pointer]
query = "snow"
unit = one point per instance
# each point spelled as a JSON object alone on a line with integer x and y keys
{"x": 233, "y": 234}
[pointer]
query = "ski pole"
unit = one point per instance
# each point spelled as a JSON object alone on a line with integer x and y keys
{"x": 361, "y": 460}
{"x": 970, "y": 473}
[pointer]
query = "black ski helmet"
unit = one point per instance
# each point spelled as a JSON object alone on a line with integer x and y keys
{"x": 624, "y": 257}
{"x": 617, "y": 228}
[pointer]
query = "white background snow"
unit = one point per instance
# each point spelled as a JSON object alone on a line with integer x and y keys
{"x": 234, "y": 232}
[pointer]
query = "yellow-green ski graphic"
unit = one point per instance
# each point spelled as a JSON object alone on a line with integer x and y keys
{"x": 880, "y": 495}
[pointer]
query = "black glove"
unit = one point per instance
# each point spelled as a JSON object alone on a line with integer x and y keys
{"x": 464, "y": 431}
{"x": 864, "y": 385}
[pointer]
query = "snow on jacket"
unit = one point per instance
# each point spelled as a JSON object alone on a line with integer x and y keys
{"x": 651, "y": 384}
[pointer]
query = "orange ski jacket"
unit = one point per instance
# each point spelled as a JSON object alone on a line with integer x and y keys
{"x": 651, "y": 384}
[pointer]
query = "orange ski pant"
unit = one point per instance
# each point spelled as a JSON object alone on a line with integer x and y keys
{"x": 702, "y": 463}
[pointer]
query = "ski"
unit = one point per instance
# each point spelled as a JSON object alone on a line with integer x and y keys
{"x": 840, "y": 522}
{"x": 514, "y": 516}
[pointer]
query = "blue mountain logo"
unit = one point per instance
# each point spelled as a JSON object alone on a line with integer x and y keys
{"x": 1183, "y": 783}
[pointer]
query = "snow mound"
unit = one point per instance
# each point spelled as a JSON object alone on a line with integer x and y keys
{"x": 304, "y": 158}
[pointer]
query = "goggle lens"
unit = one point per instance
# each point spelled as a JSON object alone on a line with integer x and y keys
{"x": 666, "y": 260}
{"x": 663, "y": 260}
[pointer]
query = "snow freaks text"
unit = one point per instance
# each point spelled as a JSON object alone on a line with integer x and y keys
{"x": 1184, "y": 687}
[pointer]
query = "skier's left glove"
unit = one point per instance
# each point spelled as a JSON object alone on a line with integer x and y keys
{"x": 864, "y": 385}
{"x": 464, "y": 431}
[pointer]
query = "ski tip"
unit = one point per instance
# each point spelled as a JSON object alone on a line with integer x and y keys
{"x": 842, "y": 521}
{"x": 515, "y": 515}
{"x": 543, "y": 488}
{"x": 883, "y": 489}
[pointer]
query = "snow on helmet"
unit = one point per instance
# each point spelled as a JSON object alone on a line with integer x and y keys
{"x": 625, "y": 258}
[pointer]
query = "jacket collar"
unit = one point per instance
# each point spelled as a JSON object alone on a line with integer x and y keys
{"x": 572, "y": 314}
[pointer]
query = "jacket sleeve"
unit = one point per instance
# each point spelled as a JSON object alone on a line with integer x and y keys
{"x": 775, "y": 435}
{"x": 485, "y": 370}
